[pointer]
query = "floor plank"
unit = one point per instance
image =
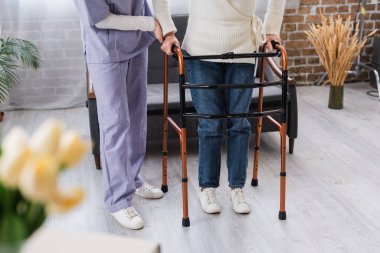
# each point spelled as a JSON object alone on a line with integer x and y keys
{"x": 333, "y": 186}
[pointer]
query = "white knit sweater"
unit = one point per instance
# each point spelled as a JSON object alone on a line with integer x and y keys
{"x": 222, "y": 26}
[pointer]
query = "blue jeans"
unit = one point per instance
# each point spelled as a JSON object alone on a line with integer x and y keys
{"x": 210, "y": 131}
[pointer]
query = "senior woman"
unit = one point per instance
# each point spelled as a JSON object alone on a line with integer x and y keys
{"x": 218, "y": 27}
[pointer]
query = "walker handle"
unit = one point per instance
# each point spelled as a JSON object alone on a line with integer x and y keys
{"x": 174, "y": 47}
{"x": 275, "y": 44}
{"x": 178, "y": 54}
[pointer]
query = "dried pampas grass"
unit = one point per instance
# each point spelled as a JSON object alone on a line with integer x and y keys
{"x": 337, "y": 46}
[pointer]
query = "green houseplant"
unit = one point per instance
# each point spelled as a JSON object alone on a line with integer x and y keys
{"x": 29, "y": 173}
{"x": 15, "y": 53}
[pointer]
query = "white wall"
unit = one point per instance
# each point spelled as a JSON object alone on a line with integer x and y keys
{"x": 182, "y": 6}
{"x": 53, "y": 26}
{"x": 36, "y": 9}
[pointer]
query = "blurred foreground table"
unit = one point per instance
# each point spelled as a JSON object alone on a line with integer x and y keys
{"x": 54, "y": 241}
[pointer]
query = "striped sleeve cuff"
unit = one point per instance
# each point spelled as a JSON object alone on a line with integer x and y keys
{"x": 127, "y": 23}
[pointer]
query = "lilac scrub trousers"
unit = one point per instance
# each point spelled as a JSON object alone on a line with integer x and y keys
{"x": 117, "y": 64}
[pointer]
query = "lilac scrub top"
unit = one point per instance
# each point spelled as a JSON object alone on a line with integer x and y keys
{"x": 106, "y": 45}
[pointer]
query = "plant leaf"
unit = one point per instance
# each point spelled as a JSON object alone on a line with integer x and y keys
{"x": 11, "y": 51}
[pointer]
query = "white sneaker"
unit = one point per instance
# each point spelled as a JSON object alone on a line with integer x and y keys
{"x": 129, "y": 218}
{"x": 208, "y": 201}
{"x": 149, "y": 192}
{"x": 238, "y": 202}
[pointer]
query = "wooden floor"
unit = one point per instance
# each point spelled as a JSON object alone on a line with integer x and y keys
{"x": 333, "y": 194}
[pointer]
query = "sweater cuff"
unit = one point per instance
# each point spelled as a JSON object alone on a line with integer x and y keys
{"x": 272, "y": 24}
{"x": 167, "y": 24}
{"x": 162, "y": 13}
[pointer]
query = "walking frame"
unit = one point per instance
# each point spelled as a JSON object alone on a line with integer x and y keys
{"x": 181, "y": 129}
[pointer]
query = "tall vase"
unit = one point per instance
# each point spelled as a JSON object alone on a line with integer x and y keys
{"x": 336, "y": 97}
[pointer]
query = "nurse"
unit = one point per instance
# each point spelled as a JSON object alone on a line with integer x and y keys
{"x": 116, "y": 35}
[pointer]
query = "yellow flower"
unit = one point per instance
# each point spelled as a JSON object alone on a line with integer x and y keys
{"x": 71, "y": 149}
{"x": 45, "y": 139}
{"x": 38, "y": 180}
{"x": 15, "y": 154}
{"x": 63, "y": 202}
{"x": 33, "y": 165}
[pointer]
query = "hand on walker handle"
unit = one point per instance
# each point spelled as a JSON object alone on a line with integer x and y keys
{"x": 158, "y": 31}
{"x": 169, "y": 42}
{"x": 271, "y": 40}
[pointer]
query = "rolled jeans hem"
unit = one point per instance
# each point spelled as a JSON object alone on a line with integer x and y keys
{"x": 208, "y": 186}
{"x": 235, "y": 186}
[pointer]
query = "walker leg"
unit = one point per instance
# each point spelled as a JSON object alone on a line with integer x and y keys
{"x": 291, "y": 145}
{"x": 164, "y": 186}
{"x": 165, "y": 128}
{"x": 282, "y": 213}
{"x": 255, "y": 181}
{"x": 185, "y": 219}
{"x": 98, "y": 163}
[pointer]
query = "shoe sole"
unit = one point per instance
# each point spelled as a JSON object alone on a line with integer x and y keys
{"x": 244, "y": 212}
{"x": 134, "y": 228}
{"x": 210, "y": 212}
{"x": 124, "y": 226}
{"x": 149, "y": 197}
{"x": 215, "y": 212}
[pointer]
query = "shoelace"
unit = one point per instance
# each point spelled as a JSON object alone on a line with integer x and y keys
{"x": 240, "y": 196}
{"x": 211, "y": 196}
{"x": 130, "y": 212}
{"x": 146, "y": 187}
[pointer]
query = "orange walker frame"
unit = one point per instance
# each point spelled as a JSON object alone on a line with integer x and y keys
{"x": 181, "y": 130}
